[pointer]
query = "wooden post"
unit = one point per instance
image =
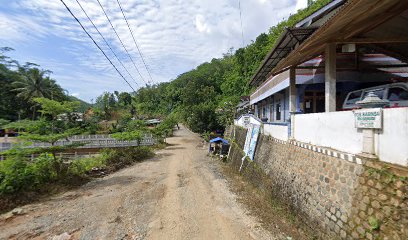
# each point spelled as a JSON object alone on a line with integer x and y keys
{"x": 330, "y": 77}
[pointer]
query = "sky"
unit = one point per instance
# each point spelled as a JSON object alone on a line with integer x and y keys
{"x": 174, "y": 36}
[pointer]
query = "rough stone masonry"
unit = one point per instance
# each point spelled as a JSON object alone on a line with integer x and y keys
{"x": 345, "y": 200}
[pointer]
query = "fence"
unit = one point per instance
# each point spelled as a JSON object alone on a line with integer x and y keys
{"x": 333, "y": 130}
{"x": 91, "y": 141}
{"x": 64, "y": 156}
{"x": 276, "y": 130}
{"x": 337, "y": 130}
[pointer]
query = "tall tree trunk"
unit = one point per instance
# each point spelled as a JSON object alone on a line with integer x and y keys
{"x": 34, "y": 110}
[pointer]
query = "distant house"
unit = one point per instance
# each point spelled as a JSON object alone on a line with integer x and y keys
{"x": 153, "y": 122}
{"x": 243, "y": 106}
{"x": 75, "y": 116}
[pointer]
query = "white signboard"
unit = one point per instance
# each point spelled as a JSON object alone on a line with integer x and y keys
{"x": 254, "y": 139}
{"x": 250, "y": 141}
{"x": 368, "y": 118}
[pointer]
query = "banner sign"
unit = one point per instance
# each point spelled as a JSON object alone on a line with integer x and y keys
{"x": 251, "y": 140}
{"x": 248, "y": 139}
{"x": 254, "y": 139}
{"x": 368, "y": 118}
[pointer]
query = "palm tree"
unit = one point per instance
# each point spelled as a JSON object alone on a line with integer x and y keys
{"x": 34, "y": 83}
{"x": 31, "y": 84}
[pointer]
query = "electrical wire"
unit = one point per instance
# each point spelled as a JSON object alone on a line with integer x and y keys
{"x": 242, "y": 29}
{"x": 83, "y": 28}
{"x": 242, "y": 36}
{"x": 134, "y": 40}
{"x": 104, "y": 39}
{"x": 123, "y": 45}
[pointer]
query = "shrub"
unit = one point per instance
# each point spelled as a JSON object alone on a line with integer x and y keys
{"x": 17, "y": 173}
{"x": 81, "y": 166}
{"x": 120, "y": 158}
{"x": 206, "y": 136}
{"x": 43, "y": 169}
{"x": 13, "y": 175}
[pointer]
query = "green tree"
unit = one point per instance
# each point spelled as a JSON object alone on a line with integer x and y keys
{"x": 106, "y": 103}
{"x": 205, "y": 97}
{"x": 36, "y": 83}
{"x": 129, "y": 136}
{"x": 46, "y": 130}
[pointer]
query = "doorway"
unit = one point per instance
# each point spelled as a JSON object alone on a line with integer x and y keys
{"x": 314, "y": 101}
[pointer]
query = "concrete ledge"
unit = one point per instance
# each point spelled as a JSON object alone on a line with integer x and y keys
{"x": 330, "y": 152}
{"x": 326, "y": 151}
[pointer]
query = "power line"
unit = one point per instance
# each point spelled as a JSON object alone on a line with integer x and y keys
{"x": 123, "y": 45}
{"x": 83, "y": 28}
{"x": 83, "y": 10}
{"x": 242, "y": 36}
{"x": 242, "y": 29}
{"x": 134, "y": 40}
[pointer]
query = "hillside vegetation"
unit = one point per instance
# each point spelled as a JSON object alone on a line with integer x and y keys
{"x": 205, "y": 98}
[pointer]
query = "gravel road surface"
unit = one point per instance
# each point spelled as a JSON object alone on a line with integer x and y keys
{"x": 179, "y": 194}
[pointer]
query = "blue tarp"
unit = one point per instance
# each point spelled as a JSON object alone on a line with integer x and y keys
{"x": 218, "y": 139}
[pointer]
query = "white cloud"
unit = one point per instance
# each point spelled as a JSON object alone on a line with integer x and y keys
{"x": 301, "y": 4}
{"x": 201, "y": 24}
{"x": 175, "y": 36}
{"x": 20, "y": 28}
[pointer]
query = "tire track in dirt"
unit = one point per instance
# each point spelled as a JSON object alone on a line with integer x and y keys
{"x": 176, "y": 195}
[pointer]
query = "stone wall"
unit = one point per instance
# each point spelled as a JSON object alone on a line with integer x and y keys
{"x": 342, "y": 198}
{"x": 380, "y": 203}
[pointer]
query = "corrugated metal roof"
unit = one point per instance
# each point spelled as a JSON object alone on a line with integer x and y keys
{"x": 361, "y": 22}
{"x": 287, "y": 42}
{"x": 291, "y": 38}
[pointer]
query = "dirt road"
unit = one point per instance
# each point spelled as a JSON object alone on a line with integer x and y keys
{"x": 177, "y": 195}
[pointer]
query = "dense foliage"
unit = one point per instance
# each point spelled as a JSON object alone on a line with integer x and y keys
{"x": 204, "y": 98}
{"x": 21, "y": 84}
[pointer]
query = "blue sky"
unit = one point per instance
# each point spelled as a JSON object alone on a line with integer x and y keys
{"x": 174, "y": 36}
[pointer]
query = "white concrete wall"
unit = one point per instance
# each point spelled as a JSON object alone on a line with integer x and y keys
{"x": 391, "y": 144}
{"x": 337, "y": 130}
{"x": 334, "y": 130}
{"x": 276, "y": 131}
{"x": 252, "y": 119}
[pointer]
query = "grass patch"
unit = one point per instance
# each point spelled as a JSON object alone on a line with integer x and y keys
{"x": 23, "y": 180}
